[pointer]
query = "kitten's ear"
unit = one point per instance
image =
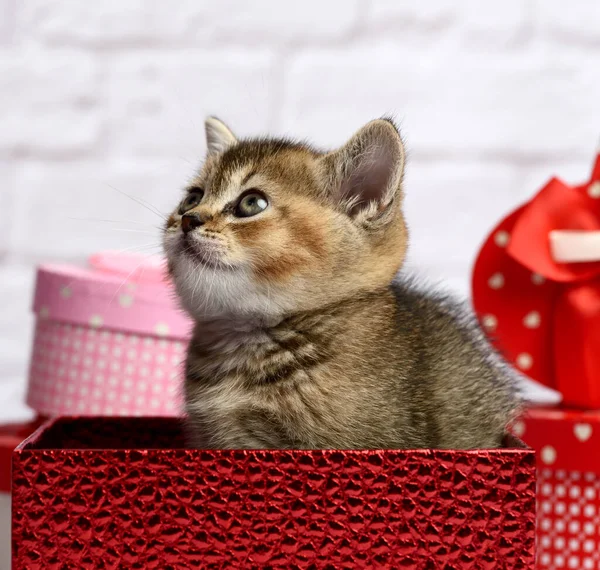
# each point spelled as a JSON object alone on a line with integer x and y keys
{"x": 366, "y": 173}
{"x": 218, "y": 136}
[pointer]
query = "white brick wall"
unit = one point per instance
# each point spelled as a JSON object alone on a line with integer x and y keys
{"x": 98, "y": 97}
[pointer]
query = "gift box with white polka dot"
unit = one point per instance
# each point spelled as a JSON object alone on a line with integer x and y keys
{"x": 568, "y": 491}
{"x": 535, "y": 288}
{"x": 109, "y": 339}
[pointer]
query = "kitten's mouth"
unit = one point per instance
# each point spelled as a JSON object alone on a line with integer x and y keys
{"x": 207, "y": 255}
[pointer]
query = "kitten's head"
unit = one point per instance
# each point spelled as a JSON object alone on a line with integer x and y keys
{"x": 271, "y": 226}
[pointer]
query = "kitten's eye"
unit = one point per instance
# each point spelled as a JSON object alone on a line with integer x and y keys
{"x": 191, "y": 200}
{"x": 250, "y": 204}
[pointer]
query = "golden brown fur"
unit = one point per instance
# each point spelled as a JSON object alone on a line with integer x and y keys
{"x": 303, "y": 339}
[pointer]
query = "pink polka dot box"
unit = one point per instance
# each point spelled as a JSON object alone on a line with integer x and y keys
{"x": 109, "y": 339}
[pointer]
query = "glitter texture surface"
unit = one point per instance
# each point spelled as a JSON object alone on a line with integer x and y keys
{"x": 126, "y": 493}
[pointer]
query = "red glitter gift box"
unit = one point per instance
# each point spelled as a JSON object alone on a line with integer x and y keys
{"x": 568, "y": 448}
{"x": 127, "y": 493}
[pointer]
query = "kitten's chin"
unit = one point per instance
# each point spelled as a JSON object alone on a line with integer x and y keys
{"x": 208, "y": 291}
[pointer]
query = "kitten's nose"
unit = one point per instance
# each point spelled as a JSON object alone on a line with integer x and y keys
{"x": 190, "y": 222}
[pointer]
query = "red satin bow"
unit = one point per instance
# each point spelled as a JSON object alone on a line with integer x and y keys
{"x": 545, "y": 315}
{"x": 556, "y": 207}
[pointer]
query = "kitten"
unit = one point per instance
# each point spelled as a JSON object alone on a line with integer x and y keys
{"x": 286, "y": 259}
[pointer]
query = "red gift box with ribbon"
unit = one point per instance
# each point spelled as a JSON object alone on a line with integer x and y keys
{"x": 536, "y": 288}
{"x": 536, "y": 291}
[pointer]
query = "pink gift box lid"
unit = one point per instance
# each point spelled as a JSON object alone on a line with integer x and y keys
{"x": 122, "y": 291}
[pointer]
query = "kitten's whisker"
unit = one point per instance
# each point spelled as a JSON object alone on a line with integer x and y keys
{"x": 141, "y": 202}
{"x": 147, "y": 232}
{"x": 112, "y": 221}
{"x": 214, "y": 275}
{"x": 141, "y": 248}
{"x": 199, "y": 269}
{"x": 133, "y": 230}
{"x": 143, "y": 245}
{"x": 190, "y": 276}
{"x": 69, "y": 283}
{"x": 125, "y": 281}
{"x": 198, "y": 280}
{"x": 203, "y": 271}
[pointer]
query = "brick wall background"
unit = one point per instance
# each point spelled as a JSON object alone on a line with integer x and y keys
{"x": 100, "y": 98}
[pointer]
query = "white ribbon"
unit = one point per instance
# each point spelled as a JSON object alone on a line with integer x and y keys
{"x": 574, "y": 246}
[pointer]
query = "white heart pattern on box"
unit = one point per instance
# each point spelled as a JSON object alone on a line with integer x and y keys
{"x": 582, "y": 432}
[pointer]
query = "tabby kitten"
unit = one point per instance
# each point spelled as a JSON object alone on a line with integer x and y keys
{"x": 286, "y": 259}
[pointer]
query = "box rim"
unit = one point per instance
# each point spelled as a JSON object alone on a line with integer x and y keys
{"x": 519, "y": 448}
